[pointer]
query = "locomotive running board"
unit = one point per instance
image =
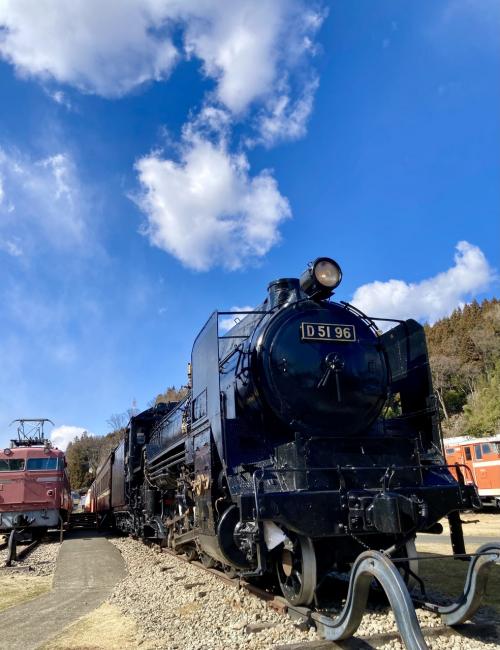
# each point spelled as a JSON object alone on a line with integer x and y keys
{"x": 374, "y": 564}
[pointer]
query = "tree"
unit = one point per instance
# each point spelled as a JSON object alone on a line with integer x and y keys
{"x": 117, "y": 421}
{"x": 482, "y": 411}
{"x": 444, "y": 370}
{"x": 171, "y": 394}
{"x": 83, "y": 458}
{"x": 487, "y": 337}
{"x": 464, "y": 349}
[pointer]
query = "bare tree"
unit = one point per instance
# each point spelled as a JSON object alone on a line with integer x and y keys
{"x": 443, "y": 371}
{"x": 117, "y": 421}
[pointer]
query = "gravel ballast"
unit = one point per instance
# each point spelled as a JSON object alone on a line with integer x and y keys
{"x": 178, "y": 606}
{"x": 40, "y": 562}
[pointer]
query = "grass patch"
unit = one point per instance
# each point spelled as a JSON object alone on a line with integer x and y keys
{"x": 103, "y": 629}
{"x": 448, "y": 575}
{"x": 16, "y": 589}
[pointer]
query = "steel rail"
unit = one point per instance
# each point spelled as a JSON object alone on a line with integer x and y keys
{"x": 26, "y": 550}
{"x": 13, "y": 555}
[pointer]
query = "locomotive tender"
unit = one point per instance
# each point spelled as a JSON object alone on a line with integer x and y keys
{"x": 282, "y": 457}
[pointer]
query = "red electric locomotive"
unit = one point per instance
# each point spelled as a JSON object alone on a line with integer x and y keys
{"x": 35, "y": 493}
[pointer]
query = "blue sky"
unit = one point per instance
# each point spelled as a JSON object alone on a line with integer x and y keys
{"x": 160, "y": 159}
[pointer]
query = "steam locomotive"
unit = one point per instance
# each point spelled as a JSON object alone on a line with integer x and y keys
{"x": 307, "y": 435}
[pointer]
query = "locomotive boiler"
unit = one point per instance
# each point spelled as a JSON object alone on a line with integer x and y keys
{"x": 306, "y": 436}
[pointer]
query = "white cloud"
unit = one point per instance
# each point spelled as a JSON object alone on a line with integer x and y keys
{"x": 11, "y": 246}
{"x": 110, "y": 48}
{"x": 60, "y": 98}
{"x": 258, "y": 55}
{"x": 40, "y": 196}
{"x": 106, "y": 48}
{"x": 225, "y": 324}
{"x": 63, "y": 435}
{"x": 246, "y": 46}
{"x": 206, "y": 209}
{"x": 432, "y": 298}
{"x": 285, "y": 118}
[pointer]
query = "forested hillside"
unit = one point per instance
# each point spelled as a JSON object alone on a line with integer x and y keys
{"x": 465, "y": 360}
{"x": 85, "y": 454}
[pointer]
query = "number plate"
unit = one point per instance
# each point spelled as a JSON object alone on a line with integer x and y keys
{"x": 330, "y": 332}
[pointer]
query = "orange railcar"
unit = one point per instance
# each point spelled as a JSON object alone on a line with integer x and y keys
{"x": 482, "y": 458}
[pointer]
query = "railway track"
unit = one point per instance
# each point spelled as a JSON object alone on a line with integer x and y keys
{"x": 15, "y": 554}
{"x": 18, "y": 550}
{"x": 308, "y": 618}
{"x": 26, "y": 550}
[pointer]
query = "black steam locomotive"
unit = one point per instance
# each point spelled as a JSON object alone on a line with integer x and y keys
{"x": 307, "y": 436}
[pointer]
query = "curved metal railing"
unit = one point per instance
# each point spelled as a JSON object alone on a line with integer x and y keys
{"x": 374, "y": 564}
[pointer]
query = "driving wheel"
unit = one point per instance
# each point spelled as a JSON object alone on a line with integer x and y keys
{"x": 296, "y": 568}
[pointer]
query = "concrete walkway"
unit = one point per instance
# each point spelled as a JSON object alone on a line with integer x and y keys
{"x": 88, "y": 567}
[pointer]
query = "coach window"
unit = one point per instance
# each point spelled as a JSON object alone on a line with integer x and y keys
{"x": 478, "y": 452}
{"x": 41, "y": 464}
{"x": 12, "y": 465}
{"x": 468, "y": 455}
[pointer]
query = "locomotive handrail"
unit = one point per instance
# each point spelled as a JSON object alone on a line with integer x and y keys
{"x": 348, "y": 468}
{"x": 369, "y": 565}
{"x": 230, "y": 313}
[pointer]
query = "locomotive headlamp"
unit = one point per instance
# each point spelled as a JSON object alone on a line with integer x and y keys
{"x": 327, "y": 273}
{"x": 321, "y": 277}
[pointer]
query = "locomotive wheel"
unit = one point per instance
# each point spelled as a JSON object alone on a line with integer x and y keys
{"x": 296, "y": 568}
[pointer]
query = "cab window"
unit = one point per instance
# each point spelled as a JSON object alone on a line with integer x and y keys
{"x": 478, "y": 452}
{"x": 468, "y": 455}
{"x": 42, "y": 464}
{"x": 486, "y": 449}
{"x": 12, "y": 465}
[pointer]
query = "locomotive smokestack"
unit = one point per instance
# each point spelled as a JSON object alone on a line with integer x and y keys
{"x": 283, "y": 291}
